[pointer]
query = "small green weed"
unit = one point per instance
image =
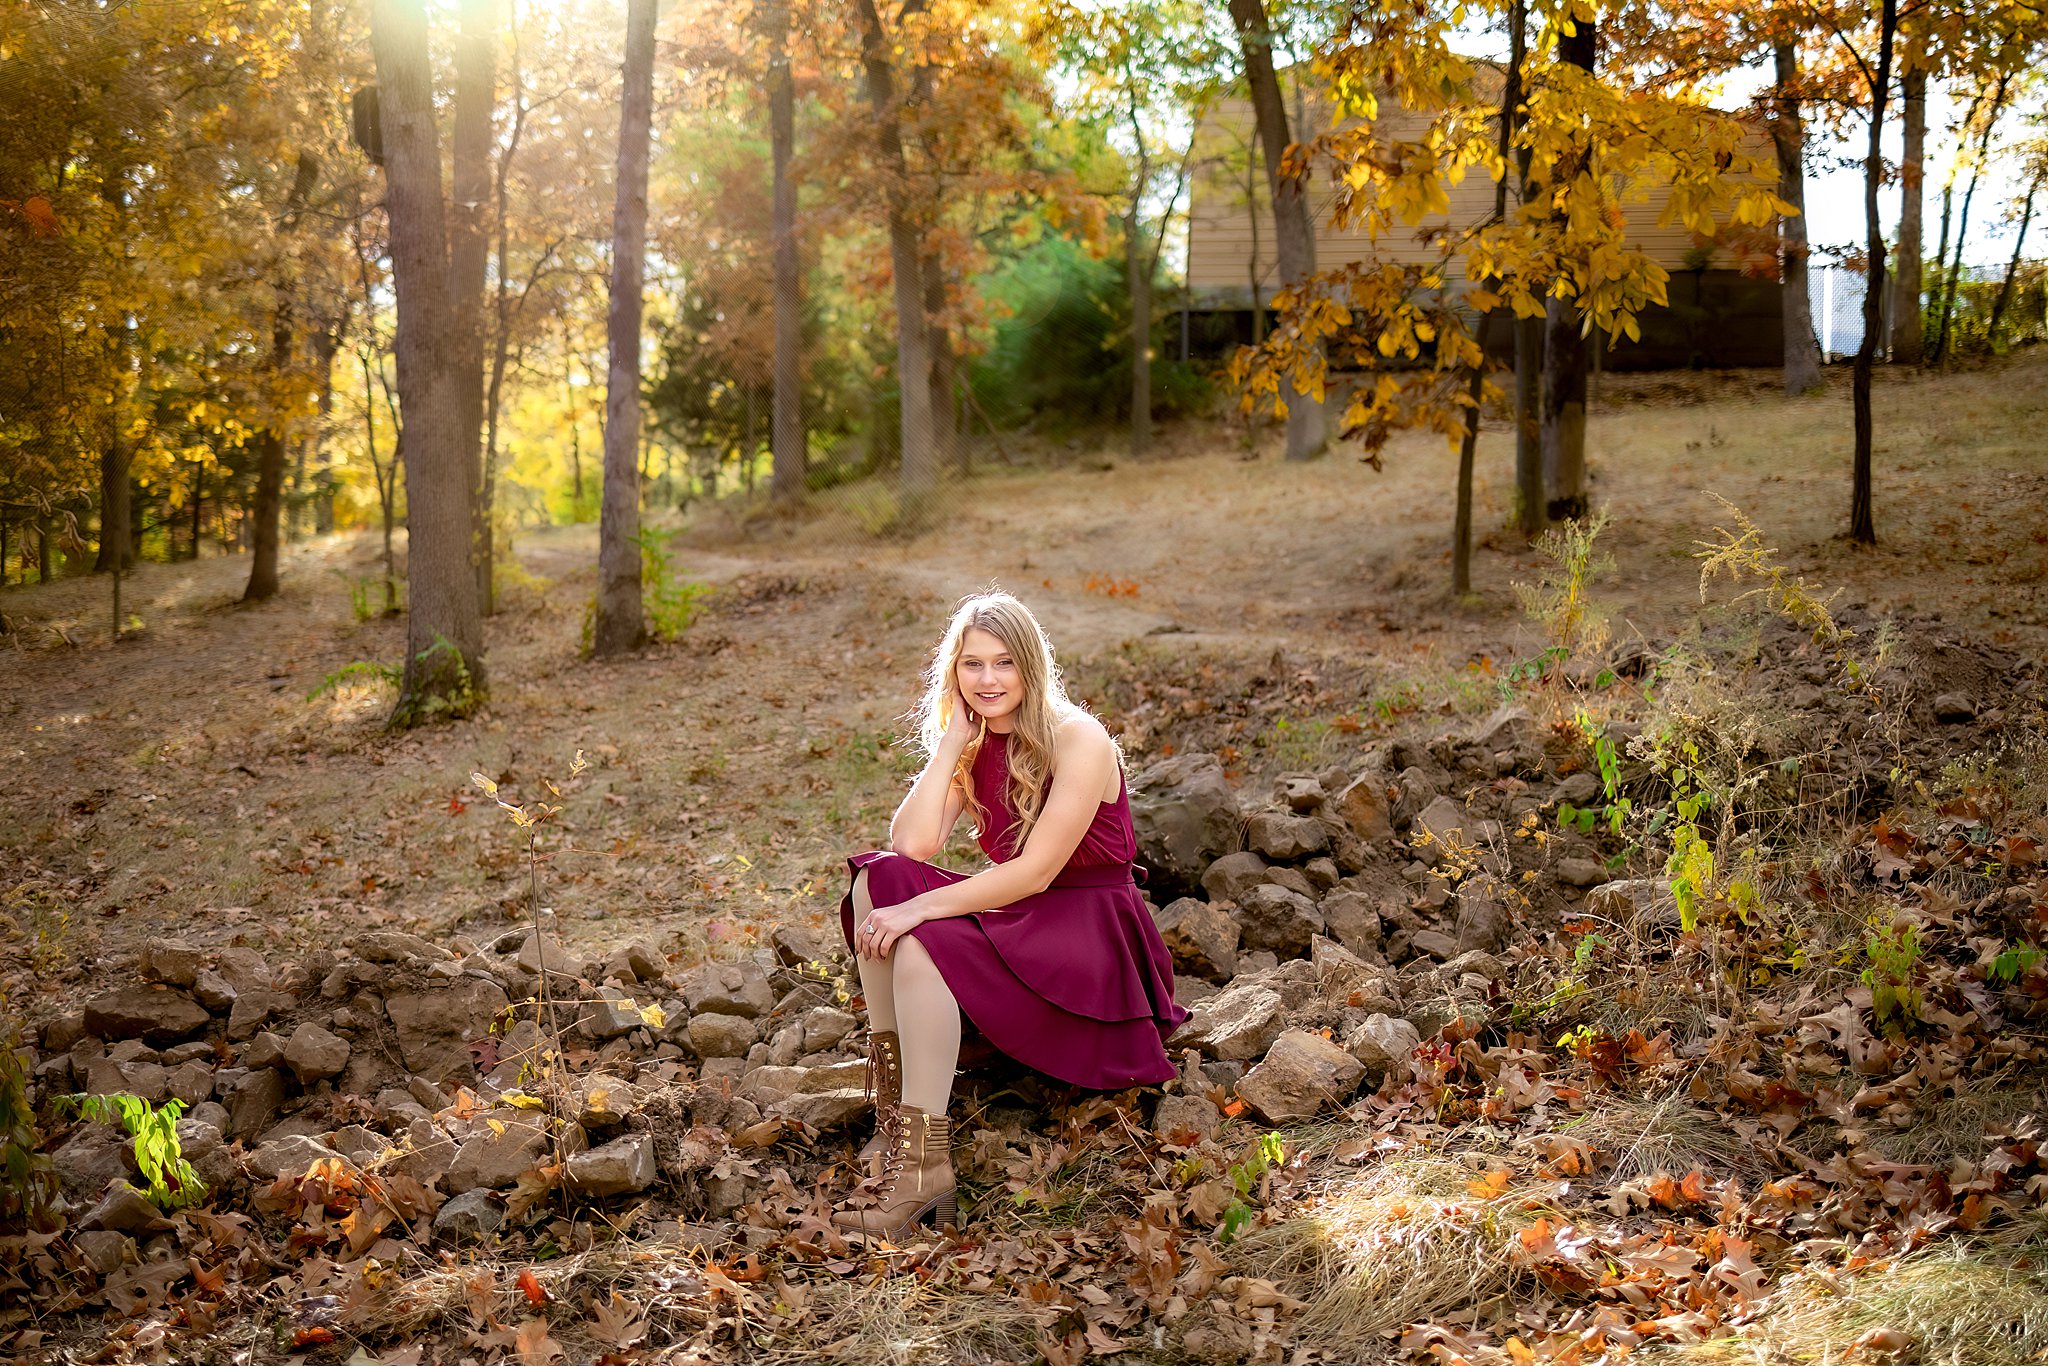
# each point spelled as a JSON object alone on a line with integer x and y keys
{"x": 168, "y": 1178}
{"x": 360, "y": 670}
{"x": 1895, "y": 999}
{"x": 2014, "y": 962}
{"x": 1267, "y": 1153}
{"x": 1562, "y": 599}
{"x": 28, "y": 1183}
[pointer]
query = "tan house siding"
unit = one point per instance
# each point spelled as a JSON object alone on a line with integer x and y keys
{"x": 1221, "y": 230}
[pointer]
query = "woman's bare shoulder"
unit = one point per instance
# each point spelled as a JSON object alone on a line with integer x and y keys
{"x": 1079, "y": 733}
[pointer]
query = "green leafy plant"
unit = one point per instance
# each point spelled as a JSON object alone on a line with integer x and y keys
{"x": 459, "y": 698}
{"x": 28, "y": 1184}
{"x": 2014, "y": 962}
{"x": 1267, "y": 1153}
{"x": 672, "y": 601}
{"x": 1607, "y": 759}
{"x": 1894, "y": 954}
{"x": 168, "y": 1179}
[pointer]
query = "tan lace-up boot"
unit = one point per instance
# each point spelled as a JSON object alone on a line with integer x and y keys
{"x": 916, "y": 1180}
{"x": 885, "y": 1089}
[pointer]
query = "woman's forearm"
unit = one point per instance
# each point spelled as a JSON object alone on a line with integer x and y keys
{"x": 915, "y": 828}
{"x": 989, "y": 890}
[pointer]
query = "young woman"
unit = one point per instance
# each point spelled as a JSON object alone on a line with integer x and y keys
{"x": 1049, "y": 951}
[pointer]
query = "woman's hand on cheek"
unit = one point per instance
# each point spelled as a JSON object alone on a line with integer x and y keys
{"x": 891, "y": 923}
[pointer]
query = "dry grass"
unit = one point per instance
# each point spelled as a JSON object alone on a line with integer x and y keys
{"x": 1644, "y": 1135}
{"x": 1398, "y": 1243}
{"x": 1978, "y": 1303}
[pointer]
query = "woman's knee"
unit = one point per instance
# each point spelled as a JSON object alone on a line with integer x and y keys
{"x": 912, "y": 963}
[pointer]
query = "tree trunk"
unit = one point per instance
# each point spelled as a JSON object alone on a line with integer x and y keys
{"x": 444, "y": 658}
{"x": 113, "y": 548}
{"x": 918, "y": 461}
{"x": 1251, "y": 199}
{"x": 1468, "y": 447}
{"x": 468, "y": 247}
{"x": 2012, "y": 267}
{"x": 621, "y": 621}
{"x": 1802, "y": 352}
{"x": 270, "y": 445}
{"x": 1565, "y": 358}
{"x": 1908, "y": 328}
{"x": 1136, "y": 261}
{"x": 1953, "y": 274}
{"x": 791, "y": 454}
{"x": 1862, "y": 519}
{"x": 1293, "y": 224}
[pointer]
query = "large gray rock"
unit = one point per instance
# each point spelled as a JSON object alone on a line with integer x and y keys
{"x": 314, "y": 1053}
{"x": 1301, "y": 1074}
{"x": 620, "y": 1167}
{"x": 213, "y": 991}
{"x": 1448, "y": 823}
{"x": 610, "y": 1015}
{"x": 1363, "y": 807}
{"x": 770, "y": 1086}
{"x": 1235, "y": 1024}
{"x": 739, "y": 988}
{"x": 1512, "y": 726}
{"x": 722, "y": 1036}
{"x": 1482, "y": 920}
{"x": 1285, "y": 837}
{"x": 124, "y": 1209}
{"x": 1580, "y": 872}
{"x": 1351, "y": 918}
{"x": 172, "y": 962}
{"x": 1183, "y": 1117}
{"x": 91, "y": 1158}
{"x": 1186, "y": 817}
{"x": 1383, "y": 1044}
{"x": 598, "y": 1102}
{"x": 1273, "y": 918}
{"x": 253, "y": 1101}
{"x": 469, "y": 1217}
{"x": 827, "y": 1027}
{"x": 1202, "y": 938}
{"x": 152, "y": 1013}
{"x": 503, "y": 1144}
{"x": 396, "y": 946}
{"x": 243, "y": 969}
{"x": 435, "y": 1026}
{"x": 255, "y": 1007}
{"x": 293, "y": 1155}
{"x": 1234, "y": 874}
{"x": 824, "y": 1111}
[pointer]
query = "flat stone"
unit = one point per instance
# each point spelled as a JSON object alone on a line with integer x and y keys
{"x": 156, "y": 1014}
{"x": 396, "y": 946}
{"x": 1435, "y": 943}
{"x": 435, "y": 1027}
{"x": 1302, "y": 794}
{"x": 213, "y": 991}
{"x": 469, "y": 1217}
{"x": 1185, "y": 816}
{"x": 721, "y": 1036}
{"x": 265, "y": 1050}
{"x": 190, "y": 1082}
{"x": 1234, "y": 874}
{"x": 172, "y": 962}
{"x": 620, "y": 1167}
{"x": 1202, "y": 938}
{"x": 254, "y": 1008}
{"x": 1476, "y": 961}
{"x": 358, "y": 1143}
{"x": 124, "y": 1209}
{"x": 1180, "y": 1118}
{"x": 314, "y": 1054}
{"x": 1580, "y": 872}
{"x": 1364, "y": 807}
{"x": 1512, "y": 726}
{"x": 253, "y": 1101}
{"x": 90, "y": 1159}
{"x": 824, "y": 1111}
{"x": 243, "y": 969}
{"x": 1352, "y": 919}
{"x": 292, "y": 1155}
{"x": 503, "y": 1145}
{"x": 1285, "y": 837}
{"x": 738, "y": 988}
{"x": 1235, "y": 1024}
{"x": 827, "y": 1027}
{"x": 1577, "y": 789}
{"x": 1954, "y": 708}
{"x": 1383, "y": 1044}
{"x": 1482, "y": 921}
{"x": 1188, "y": 990}
{"x": 1339, "y": 971}
{"x": 1448, "y": 823}
{"x": 612, "y": 1014}
{"x": 536, "y": 949}
{"x": 1300, "y": 1076}
{"x": 1275, "y": 919}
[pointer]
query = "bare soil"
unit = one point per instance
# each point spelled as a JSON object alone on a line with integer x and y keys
{"x": 187, "y": 782}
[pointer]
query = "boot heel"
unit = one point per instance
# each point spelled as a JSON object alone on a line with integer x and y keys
{"x": 947, "y": 1212}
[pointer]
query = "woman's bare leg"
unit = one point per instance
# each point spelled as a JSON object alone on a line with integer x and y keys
{"x": 929, "y": 1025}
{"x": 876, "y": 979}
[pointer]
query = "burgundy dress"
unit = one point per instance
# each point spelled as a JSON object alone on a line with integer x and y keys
{"x": 1073, "y": 981}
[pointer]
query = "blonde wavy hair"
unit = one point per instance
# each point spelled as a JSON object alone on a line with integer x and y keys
{"x": 1044, "y": 707}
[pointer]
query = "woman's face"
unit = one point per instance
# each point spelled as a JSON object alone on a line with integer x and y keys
{"x": 988, "y": 678}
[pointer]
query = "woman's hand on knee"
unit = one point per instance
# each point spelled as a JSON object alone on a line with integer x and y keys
{"x": 885, "y": 925}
